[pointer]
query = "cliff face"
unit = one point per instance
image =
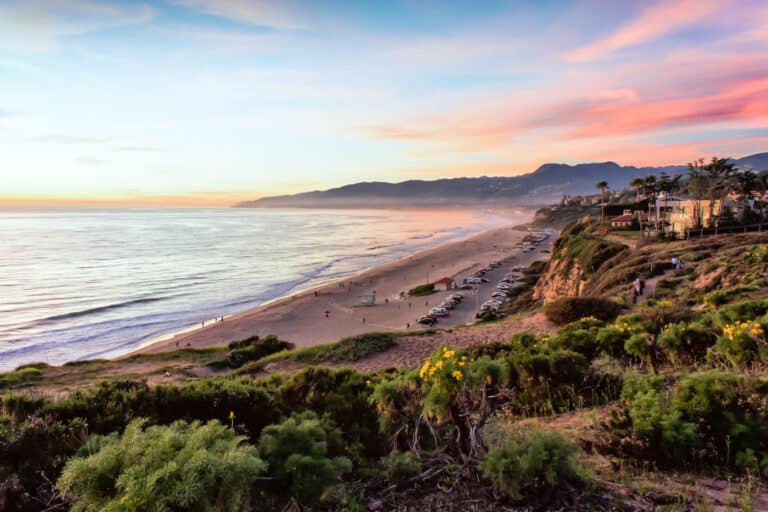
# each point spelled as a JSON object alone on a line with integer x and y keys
{"x": 563, "y": 278}
{"x": 576, "y": 258}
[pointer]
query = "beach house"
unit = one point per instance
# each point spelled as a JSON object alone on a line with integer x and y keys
{"x": 444, "y": 284}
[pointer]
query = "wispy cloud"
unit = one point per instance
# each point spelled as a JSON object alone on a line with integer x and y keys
{"x": 70, "y": 139}
{"x": 660, "y": 19}
{"x": 137, "y": 149}
{"x": 89, "y": 160}
{"x": 612, "y": 113}
{"x": 262, "y": 13}
{"x": 37, "y": 25}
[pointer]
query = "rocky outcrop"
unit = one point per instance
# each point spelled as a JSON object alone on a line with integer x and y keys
{"x": 564, "y": 277}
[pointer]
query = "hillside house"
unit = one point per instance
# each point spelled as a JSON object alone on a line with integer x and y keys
{"x": 679, "y": 214}
{"x": 629, "y": 219}
{"x": 623, "y": 221}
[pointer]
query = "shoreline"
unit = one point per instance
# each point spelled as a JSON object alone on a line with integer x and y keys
{"x": 331, "y": 311}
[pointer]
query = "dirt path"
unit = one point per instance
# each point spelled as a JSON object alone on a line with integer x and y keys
{"x": 650, "y": 285}
{"x": 411, "y": 351}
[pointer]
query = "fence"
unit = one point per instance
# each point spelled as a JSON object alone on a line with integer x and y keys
{"x": 723, "y": 230}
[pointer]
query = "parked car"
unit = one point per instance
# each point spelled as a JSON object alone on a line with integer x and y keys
{"x": 474, "y": 280}
{"x": 427, "y": 320}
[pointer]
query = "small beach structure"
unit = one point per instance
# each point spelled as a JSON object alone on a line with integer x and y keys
{"x": 369, "y": 299}
{"x": 444, "y": 284}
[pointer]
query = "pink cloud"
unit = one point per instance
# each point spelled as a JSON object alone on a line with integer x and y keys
{"x": 660, "y": 19}
{"x": 610, "y": 113}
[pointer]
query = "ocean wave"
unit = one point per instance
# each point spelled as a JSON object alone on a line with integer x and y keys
{"x": 101, "y": 309}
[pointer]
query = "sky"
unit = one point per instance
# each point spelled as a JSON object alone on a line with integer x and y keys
{"x": 209, "y": 102}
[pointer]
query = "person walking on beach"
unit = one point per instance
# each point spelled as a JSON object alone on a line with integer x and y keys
{"x": 363, "y": 319}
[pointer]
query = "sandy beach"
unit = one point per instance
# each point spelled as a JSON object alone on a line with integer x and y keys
{"x": 333, "y": 311}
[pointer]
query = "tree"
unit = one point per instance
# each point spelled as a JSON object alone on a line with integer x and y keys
{"x": 667, "y": 185}
{"x": 602, "y": 185}
{"x": 697, "y": 185}
{"x": 720, "y": 174}
{"x": 746, "y": 186}
{"x": 650, "y": 189}
{"x": 637, "y": 184}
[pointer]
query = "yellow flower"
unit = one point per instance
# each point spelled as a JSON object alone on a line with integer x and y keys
{"x": 462, "y": 363}
{"x": 368, "y": 382}
{"x": 457, "y": 375}
{"x": 439, "y": 365}
{"x": 489, "y": 380}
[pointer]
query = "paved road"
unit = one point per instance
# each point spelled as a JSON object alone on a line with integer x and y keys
{"x": 465, "y": 312}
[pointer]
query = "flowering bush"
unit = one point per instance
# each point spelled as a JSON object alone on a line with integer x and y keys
{"x": 742, "y": 343}
{"x": 686, "y": 342}
{"x": 758, "y": 253}
{"x": 450, "y": 396}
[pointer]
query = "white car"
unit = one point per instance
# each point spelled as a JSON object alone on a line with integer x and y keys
{"x": 474, "y": 280}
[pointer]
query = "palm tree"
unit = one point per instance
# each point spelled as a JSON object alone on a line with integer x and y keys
{"x": 697, "y": 185}
{"x": 637, "y": 184}
{"x": 602, "y": 185}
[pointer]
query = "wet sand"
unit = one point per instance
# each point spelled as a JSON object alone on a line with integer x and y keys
{"x": 302, "y": 318}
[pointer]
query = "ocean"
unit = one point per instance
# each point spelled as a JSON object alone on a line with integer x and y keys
{"x": 91, "y": 283}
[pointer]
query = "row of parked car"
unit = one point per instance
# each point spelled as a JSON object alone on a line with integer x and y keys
{"x": 501, "y": 292}
{"x": 479, "y": 276}
{"x": 442, "y": 310}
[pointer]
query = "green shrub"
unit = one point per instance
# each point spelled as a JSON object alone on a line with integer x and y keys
{"x": 579, "y": 336}
{"x": 742, "y": 343}
{"x": 640, "y": 346}
{"x": 32, "y": 453}
{"x": 741, "y": 312}
{"x": 611, "y": 340}
{"x": 401, "y": 466}
{"x": 423, "y": 289}
{"x": 533, "y": 461}
{"x": 304, "y": 454}
{"x": 253, "y": 349}
{"x": 707, "y": 416}
{"x": 176, "y": 467}
{"x": 715, "y": 299}
{"x": 686, "y": 343}
{"x": 23, "y": 376}
{"x": 352, "y": 348}
{"x": 571, "y": 309}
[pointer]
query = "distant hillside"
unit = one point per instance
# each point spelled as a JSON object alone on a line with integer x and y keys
{"x": 545, "y": 185}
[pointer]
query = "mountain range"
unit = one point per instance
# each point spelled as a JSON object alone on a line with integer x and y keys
{"x": 545, "y": 185}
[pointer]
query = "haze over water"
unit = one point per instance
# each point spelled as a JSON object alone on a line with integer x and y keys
{"x": 86, "y": 283}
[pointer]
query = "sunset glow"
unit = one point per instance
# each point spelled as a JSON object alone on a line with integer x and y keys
{"x": 209, "y": 102}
